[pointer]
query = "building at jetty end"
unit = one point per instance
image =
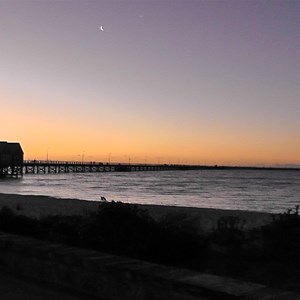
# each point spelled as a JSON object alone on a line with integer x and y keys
{"x": 11, "y": 159}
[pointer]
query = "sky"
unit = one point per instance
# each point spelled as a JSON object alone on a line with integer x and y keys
{"x": 193, "y": 82}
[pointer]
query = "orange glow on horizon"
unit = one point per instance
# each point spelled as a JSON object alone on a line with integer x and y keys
{"x": 61, "y": 136}
{"x": 72, "y": 150}
{"x": 74, "y": 141}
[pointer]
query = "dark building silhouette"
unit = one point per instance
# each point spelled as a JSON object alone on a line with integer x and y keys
{"x": 11, "y": 159}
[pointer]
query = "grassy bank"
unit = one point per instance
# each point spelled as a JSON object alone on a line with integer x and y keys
{"x": 268, "y": 254}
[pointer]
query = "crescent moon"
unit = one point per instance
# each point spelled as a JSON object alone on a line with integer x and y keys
{"x": 101, "y": 28}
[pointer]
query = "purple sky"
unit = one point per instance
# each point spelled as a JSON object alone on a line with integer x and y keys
{"x": 193, "y": 81}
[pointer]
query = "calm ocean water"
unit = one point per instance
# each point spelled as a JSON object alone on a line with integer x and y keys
{"x": 256, "y": 190}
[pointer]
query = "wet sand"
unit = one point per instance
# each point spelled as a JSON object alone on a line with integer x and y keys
{"x": 202, "y": 219}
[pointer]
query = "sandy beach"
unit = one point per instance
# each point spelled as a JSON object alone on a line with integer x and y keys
{"x": 203, "y": 219}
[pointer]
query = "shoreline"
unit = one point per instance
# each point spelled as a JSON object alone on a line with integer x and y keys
{"x": 202, "y": 219}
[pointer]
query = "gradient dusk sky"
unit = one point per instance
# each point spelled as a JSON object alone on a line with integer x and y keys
{"x": 202, "y": 82}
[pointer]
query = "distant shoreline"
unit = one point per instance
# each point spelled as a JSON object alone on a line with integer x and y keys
{"x": 203, "y": 219}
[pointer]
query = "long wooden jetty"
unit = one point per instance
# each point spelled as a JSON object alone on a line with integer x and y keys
{"x": 55, "y": 167}
{"x": 47, "y": 167}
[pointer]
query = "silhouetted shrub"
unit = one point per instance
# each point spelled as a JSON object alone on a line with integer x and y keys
{"x": 229, "y": 232}
{"x": 125, "y": 229}
{"x": 62, "y": 229}
{"x": 11, "y": 222}
{"x": 179, "y": 222}
{"x": 6, "y": 218}
{"x": 270, "y": 255}
{"x": 117, "y": 228}
{"x": 282, "y": 236}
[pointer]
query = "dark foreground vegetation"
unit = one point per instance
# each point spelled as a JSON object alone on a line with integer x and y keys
{"x": 268, "y": 255}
